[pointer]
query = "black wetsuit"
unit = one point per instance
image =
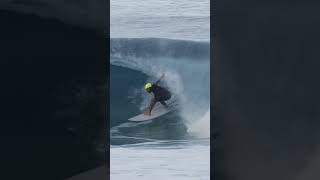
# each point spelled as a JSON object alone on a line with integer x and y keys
{"x": 160, "y": 93}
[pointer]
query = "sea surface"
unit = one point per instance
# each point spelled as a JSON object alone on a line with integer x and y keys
{"x": 149, "y": 38}
{"x": 173, "y": 19}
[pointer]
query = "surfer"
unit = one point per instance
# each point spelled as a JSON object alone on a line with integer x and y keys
{"x": 161, "y": 94}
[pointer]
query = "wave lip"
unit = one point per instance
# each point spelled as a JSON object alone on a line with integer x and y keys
{"x": 158, "y": 47}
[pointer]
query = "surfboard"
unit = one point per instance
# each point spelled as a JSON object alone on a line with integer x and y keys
{"x": 158, "y": 110}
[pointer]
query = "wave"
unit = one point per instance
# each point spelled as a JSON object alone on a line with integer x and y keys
{"x": 157, "y": 47}
{"x": 186, "y": 65}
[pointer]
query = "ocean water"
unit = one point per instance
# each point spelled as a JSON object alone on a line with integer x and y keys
{"x": 149, "y": 38}
{"x": 173, "y": 19}
{"x": 161, "y": 160}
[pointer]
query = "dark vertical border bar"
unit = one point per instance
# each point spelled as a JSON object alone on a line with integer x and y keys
{"x": 108, "y": 87}
{"x": 54, "y": 91}
{"x": 212, "y": 84}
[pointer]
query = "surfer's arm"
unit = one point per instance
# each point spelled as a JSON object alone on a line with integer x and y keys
{"x": 157, "y": 82}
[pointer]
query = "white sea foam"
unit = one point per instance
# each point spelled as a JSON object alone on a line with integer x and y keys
{"x": 143, "y": 163}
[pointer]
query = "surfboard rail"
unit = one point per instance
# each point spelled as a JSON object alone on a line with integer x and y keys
{"x": 158, "y": 111}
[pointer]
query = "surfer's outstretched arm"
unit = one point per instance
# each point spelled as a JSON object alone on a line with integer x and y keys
{"x": 157, "y": 82}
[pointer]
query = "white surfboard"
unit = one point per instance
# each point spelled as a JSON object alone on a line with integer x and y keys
{"x": 157, "y": 111}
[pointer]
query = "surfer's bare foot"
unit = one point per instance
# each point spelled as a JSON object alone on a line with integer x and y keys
{"x": 165, "y": 106}
{"x": 147, "y": 113}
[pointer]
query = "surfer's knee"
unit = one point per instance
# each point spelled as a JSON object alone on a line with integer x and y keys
{"x": 153, "y": 101}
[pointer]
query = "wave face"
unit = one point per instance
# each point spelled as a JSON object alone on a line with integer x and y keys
{"x": 186, "y": 65}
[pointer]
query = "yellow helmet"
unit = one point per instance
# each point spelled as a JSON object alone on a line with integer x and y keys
{"x": 147, "y": 86}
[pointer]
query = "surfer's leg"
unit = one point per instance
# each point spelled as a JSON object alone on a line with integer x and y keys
{"x": 152, "y": 103}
